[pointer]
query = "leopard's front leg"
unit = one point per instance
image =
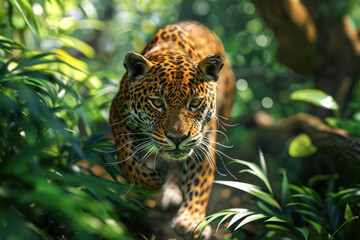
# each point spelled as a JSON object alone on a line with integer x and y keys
{"x": 196, "y": 185}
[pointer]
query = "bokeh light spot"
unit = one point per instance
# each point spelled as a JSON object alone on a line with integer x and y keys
{"x": 201, "y": 8}
{"x": 267, "y": 102}
{"x": 37, "y": 9}
{"x": 261, "y": 41}
{"x": 241, "y": 84}
{"x": 249, "y": 8}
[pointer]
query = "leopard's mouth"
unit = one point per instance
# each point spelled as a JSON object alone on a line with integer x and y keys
{"x": 177, "y": 154}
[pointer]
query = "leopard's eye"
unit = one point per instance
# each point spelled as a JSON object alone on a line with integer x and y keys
{"x": 157, "y": 103}
{"x": 195, "y": 103}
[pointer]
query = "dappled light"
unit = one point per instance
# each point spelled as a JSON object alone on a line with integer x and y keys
{"x": 287, "y": 156}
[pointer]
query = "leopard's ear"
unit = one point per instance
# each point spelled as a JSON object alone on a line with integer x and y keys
{"x": 136, "y": 65}
{"x": 211, "y": 65}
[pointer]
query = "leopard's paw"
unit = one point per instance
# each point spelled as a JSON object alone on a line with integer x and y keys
{"x": 185, "y": 225}
{"x": 172, "y": 197}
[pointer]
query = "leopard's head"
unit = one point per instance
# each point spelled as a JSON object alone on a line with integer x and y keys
{"x": 173, "y": 98}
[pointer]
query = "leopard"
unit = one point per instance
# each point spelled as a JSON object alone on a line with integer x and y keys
{"x": 165, "y": 115}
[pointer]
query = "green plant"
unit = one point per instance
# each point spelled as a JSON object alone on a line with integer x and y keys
{"x": 42, "y": 196}
{"x": 53, "y": 114}
{"x": 299, "y": 212}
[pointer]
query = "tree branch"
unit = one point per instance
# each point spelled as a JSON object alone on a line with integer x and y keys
{"x": 314, "y": 40}
{"x": 337, "y": 142}
{"x": 295, "y": 30}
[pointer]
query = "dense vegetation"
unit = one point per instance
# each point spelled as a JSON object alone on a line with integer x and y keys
{"x": 60, "y": 67}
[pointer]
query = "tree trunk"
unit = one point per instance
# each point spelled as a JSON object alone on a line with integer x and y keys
{"x": 315, "y": 38}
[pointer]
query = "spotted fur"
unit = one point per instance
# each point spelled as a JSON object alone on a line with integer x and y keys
{"x": 165, "y": 111}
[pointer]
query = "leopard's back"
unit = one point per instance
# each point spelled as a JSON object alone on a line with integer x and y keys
{"x": 199, "y": 42}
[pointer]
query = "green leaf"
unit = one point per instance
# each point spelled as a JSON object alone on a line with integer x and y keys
{"x": 278, "y": 227}
{"x": 262, "y": 162}
{"x": 305, "y": 205}
{"x": 316, "y": 97}
{"x": 285, "y": 191}
{"x": 253, "y": 190}
{"x": 70, "y": 60}
{"x": 275, "y": 219}
{"x": 223, "y": 219}
{"x": 242, "y": 213}
{"x": 304, "y": 232}
{"x": 348, "y": 213}
{"x": 206, "y": 221}
{"x": 25, "y": 10}
{"x": 301, "y": 146}
{"x": 79, "y": 45}
{"x": 250, "y": 218}
{"x": 267, "y": 209}
{"x": 353, "y": 191}
{"x": 256, "y": 171}
{"x": 350, "y": 126}
{"x": 342, "y": 225}
{"x": 319, "y": 229}
{"x": 305, "y": 214}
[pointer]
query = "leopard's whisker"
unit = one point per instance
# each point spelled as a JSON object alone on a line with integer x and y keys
{"x": 156, "y": 159}
{"x": 201, "y": 152}
{"x": 218, "y": 131}
{"x": 125, "y": 125}
{"x": 217, "y": 170}
{"x": 206, "y": 154}
{"x": 156, "y": 90}
{"x": 214, "y": 163}
{"x": 143, "y": 159}
{"x": 223, "y": 153}
{"x": 141, "y": 147}
{"x": 220, "y": 124}
{"x": 130, "y": 116}
{"x": 133, "y": 141}
{"x": 193, "y": 159}
{"x": 185, "y": 164}
{"x": 218, "y": 115}
{"x": 224, "y": 123}
{"x": 222, "y": 160}
{"x": 112, "y": 151}
{"x": 137, "y": 167}
{"x": 128, "y": 134}
{"x": 217, "y": 143}
{"x": 198, "y": 158}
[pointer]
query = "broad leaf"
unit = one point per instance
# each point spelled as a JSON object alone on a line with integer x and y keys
{"x": 350, "y": 126}
{"x": 301, "y": 146}
{"x": 316, "y": 97}
{"x": 253, "y": 190}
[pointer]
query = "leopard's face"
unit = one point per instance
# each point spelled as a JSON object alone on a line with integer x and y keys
{"x": 173, "y": 100}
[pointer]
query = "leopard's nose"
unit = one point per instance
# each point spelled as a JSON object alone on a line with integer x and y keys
{"x": 177, "y": 138}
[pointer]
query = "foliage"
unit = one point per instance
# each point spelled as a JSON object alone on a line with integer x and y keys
{"x": 316, "y": 97}
{"x": 60, "y": 64}
{"x": 298, "y": 213}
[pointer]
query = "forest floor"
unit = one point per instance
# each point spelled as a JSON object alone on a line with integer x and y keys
{"x": 156, "y": 224}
